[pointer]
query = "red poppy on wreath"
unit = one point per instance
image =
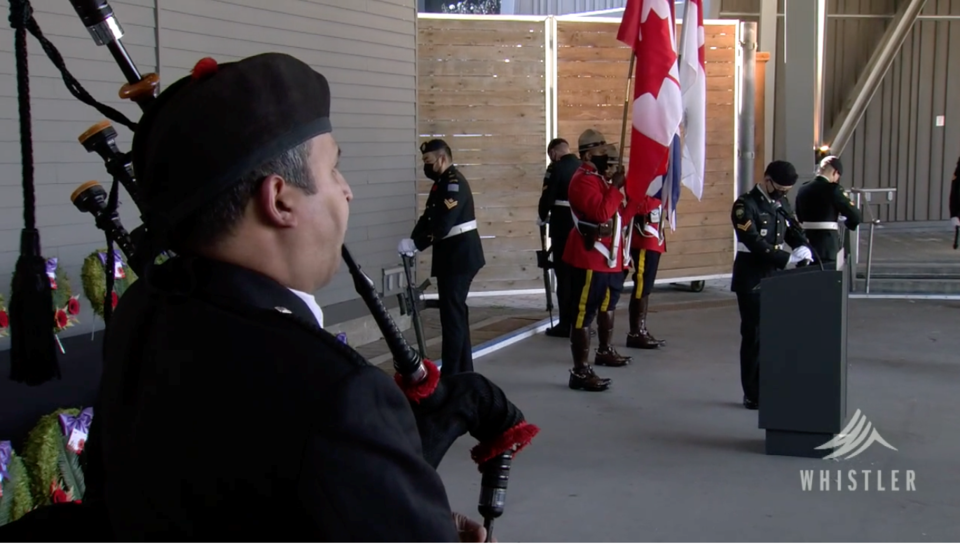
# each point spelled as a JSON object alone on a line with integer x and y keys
{"x": 4, "y": 320}
{"x": 73, "y": 306}
{"x": 62, "y": 320}
{"x": 113, "y": 299}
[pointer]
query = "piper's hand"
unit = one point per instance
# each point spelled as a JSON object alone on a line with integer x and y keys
{"x": 407, "y": 247}
{"x": 618, "y": 179}
{"x": 800, "y": 254}
{"x": 470, "y": 531}
{"x": 541, "y": 222}
{"x": 955, "y": 221}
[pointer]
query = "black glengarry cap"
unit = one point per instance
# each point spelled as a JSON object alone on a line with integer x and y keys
{"x": 207, "y": 130}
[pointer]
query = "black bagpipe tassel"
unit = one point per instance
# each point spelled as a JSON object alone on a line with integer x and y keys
{"x": 33, "y": 348}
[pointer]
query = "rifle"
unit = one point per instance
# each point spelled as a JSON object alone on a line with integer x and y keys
{"x": 545, "y": 264}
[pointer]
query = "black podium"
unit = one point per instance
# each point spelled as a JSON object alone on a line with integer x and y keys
{"x": 803, "y": 359}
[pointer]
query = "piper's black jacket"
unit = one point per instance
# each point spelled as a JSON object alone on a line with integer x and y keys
{"x": 227, "y": 414}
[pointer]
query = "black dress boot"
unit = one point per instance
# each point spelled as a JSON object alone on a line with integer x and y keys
{"x": 640, "y": 337}
{"x": 607, "y": 356}
{"x": 582, "y": 376}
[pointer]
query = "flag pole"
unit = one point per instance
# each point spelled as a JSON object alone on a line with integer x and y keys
{"x": 680, "y": 44}
{"x": 626, "y": 106}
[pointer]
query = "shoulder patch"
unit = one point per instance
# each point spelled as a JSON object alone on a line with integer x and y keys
{"x": 450, "y": 203}
{"x": 453, "y": 187}
{"x": 739, "y": 210}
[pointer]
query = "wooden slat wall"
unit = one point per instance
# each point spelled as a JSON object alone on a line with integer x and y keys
{"x": 482, "y": 89}
{"x": 592, "y": 70}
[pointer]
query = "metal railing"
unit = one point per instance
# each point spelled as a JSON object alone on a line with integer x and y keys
{"x": 865, "y": 198}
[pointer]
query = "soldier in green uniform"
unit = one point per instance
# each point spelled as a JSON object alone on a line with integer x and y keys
{"x": 761, "y": 229}
{"x": 820, "y": 204}
{"x": 449, "y": 225}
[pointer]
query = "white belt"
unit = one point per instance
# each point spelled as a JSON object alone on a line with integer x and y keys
{"x": 742, "y": 247}
{"x": 603, "y": 249}
{"x": 461, "y": 228}
{"x": 820, "y": 226}
{"x": 561, "y": 203}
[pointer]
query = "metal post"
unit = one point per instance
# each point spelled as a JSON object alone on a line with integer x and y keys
{"x": 870, "y": 255}
{"x": 746, "y": 117}
{"x": 804, "y": 22}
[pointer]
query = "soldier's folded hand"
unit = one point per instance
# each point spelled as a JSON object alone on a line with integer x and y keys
{"x": 407, "y": 247}
{"x": 618, "y": 178}
{"x": 800, "y": 254}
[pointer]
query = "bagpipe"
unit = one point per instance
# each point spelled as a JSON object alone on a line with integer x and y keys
{"x": 445, "y": 408}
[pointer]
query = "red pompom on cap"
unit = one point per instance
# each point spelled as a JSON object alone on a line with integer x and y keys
{"x": 204, "y": 67}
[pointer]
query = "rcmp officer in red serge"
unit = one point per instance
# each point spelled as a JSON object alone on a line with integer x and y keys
{"x": 820, "y": 203}
{"x": 449, "y": 224}
{"x": 647, "y": 244}
{"x": 761, "y": 232}
{"x": 595, "y": 252}
{"x": 554, "y": 208}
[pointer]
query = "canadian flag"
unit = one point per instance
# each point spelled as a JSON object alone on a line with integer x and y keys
{"x": 693, "y": 81}
{"x": 649, "y": 29}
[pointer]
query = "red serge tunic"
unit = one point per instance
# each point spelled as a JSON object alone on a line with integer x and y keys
{"x": 593, "y": 201}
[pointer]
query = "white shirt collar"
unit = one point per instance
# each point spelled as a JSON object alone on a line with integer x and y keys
{"x": 311, "y": 303}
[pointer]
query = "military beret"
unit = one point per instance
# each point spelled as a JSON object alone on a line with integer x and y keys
{"x": 782, "y": 173}
{"x": 208, "y": 129}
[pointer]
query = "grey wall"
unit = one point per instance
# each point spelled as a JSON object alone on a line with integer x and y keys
{"x": 897, "y": 143}
{"x": 366, "y": 50}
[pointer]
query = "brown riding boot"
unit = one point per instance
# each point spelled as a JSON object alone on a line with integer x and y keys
{"x": 607, "y": 356}
{"x": 639, "y": 337}
{"x": 582, "y": 376}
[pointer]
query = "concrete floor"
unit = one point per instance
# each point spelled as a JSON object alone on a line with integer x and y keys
{"x": 669, "y": 454}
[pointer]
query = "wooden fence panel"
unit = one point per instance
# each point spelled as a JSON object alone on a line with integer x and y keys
{"x": 592, "y": 71}
{"x": 482, "y": 88}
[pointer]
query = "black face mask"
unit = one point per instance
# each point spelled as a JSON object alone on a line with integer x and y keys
{"x": 430, "y": 172}
{"x": 602, "y": 163}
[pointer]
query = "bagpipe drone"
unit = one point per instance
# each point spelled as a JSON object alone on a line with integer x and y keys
{"x": 445, "y": 408}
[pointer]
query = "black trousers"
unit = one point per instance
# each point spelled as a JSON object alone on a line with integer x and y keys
{"x": 457, "y": 352}
{"x": 593, "y": 292}
{"x": 645, "y": 266}
{"x": 562, "y": 271}
{"x": 749, "y": 303}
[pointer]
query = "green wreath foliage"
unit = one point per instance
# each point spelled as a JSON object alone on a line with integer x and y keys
{"x": 15, "y": 497}
{"x": 51, "y": 465}
{"x": 93, "y": 276}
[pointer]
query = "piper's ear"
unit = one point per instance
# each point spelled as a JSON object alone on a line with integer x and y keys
{"x": 274, "y": 202}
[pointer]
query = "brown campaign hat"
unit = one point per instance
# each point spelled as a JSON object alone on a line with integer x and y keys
{"x": 594, "y": 141}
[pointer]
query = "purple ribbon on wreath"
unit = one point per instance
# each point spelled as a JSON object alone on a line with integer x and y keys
{"x": 52, "y": 271}
{"x": 6, "y": 453}
{"x": 116, "y": 258}
{"x": 80, "y": 422}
